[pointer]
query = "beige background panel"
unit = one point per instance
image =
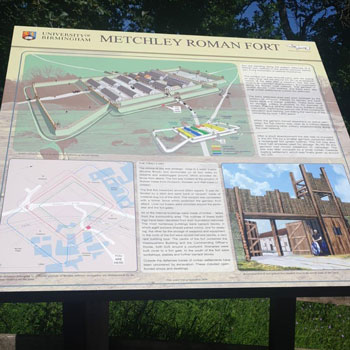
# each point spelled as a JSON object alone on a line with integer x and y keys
{"x": 165, "y": 43}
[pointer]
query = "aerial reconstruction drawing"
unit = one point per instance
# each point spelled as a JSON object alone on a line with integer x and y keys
{"x": 130, "y": 106}
{"x": 68, "y": 217}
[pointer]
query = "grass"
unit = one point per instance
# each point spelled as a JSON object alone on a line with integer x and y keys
{"x": 232, "y": 321}
{"x": 322, "y": 326}
{"x": 340, "y": 256}
{"x": 218, "y": 321}
{"x": 254, "y": 265}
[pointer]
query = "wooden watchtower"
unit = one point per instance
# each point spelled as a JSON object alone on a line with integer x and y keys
{"x": 328, "y": 209}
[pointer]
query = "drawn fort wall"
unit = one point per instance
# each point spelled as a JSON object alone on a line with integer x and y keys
{"x": 269, "y": 203}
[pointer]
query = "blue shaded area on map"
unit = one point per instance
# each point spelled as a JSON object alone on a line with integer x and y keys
{"x": 71, "y": 237}
{"x": 35, "y": 240}
{"x": 74, "y": 263}
{"x": 114, "y": 185}
{"x": 87, "y": 237}
{"x": 95, "y": 255}
{"x": 47, "y": 238}
{"x": 60, "y": 249}
{"x": 54, "y": 268}
{"x": 128, "y": 171}
{"x": 95, "y": 246}
{"x": 70, "y": 249}
{"x": 44, "y": 250}
{"x": 73, "y": 249}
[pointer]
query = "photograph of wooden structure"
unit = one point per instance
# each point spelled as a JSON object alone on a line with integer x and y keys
{"x": 314, "y": 210}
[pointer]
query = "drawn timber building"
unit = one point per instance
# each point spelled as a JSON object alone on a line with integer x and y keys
{"x": 315, "y": 207}
{"x": 122, "y": 93}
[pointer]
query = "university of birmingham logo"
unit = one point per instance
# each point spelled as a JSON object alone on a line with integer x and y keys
{"x": 28, "y": 35}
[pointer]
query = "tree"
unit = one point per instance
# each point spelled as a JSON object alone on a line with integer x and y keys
{"x": 323, "y": 21}
{"x": 83, "y": 14}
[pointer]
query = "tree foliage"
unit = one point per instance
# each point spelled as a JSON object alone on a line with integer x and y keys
{"x": 323, "y": 21}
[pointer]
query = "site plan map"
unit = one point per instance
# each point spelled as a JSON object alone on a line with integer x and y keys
{"x": 153, "y": 161}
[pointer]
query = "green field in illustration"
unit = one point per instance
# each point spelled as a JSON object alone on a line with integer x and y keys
{"x": 123, "y": 131}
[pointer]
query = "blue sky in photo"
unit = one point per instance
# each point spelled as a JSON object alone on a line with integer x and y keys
{"x": 259, "y": 178}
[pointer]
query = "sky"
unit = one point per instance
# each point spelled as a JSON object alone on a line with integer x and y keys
{"x": 259, "y": 178}
{"x": 295, "y": 25}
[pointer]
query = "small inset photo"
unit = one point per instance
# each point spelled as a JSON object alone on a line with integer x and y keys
{"x": 289, "y": 216}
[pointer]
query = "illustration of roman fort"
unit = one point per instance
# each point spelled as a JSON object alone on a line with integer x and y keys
{"x": 315, "y": 207}
{"x": 123, "y": 93}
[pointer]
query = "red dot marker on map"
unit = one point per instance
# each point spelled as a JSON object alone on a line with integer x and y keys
{"x": 88, "y": 227}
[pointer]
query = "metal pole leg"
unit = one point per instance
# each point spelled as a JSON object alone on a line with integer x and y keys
{"x": 282, "y": 323}
{"x": 85, "y": 325}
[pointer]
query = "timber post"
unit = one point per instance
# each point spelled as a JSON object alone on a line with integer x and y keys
{"x": 335, "y": 199}
{"x": 242, "y": 224}
{"x": 275, "y": 237}
{"x": 317, "y": 210}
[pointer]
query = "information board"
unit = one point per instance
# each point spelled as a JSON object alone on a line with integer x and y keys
{"x": 146, "y": 161}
